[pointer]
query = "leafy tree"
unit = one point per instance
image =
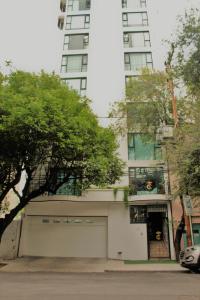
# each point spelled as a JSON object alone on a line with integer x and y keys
{"x": 147, "y": 105}
{"x": 46, "y": 130}
{"x": 187, "y": 50}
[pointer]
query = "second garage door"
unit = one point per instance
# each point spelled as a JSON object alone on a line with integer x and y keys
{"x": 64, "y": 236}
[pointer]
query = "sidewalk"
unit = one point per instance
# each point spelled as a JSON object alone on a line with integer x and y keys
{"x": 83, "y": 265}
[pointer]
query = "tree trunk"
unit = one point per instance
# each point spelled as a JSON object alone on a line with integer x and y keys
{"x": 179, "y": 233}
{"x": 5, "y": 222}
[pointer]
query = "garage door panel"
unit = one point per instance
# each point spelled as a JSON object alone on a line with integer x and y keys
{"x": 64, "y": 236}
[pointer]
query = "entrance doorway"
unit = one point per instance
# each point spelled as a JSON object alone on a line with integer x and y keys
{"x": 158, "y": 235}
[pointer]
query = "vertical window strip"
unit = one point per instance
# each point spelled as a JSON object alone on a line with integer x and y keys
{"x": 144, "y": 19}
{"x": 87, "y": 22}
{"x": 68, "y": 22}
{"x": 143, "y": 3}
{"x": 124, "y": 3}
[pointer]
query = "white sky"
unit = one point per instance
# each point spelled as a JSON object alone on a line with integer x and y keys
{"x": 30, "y": 38}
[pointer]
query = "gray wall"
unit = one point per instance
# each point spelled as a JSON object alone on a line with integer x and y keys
{"x": 10, "y": 241}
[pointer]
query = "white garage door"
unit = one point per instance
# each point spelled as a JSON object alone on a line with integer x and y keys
{"x": 64, "y": 236}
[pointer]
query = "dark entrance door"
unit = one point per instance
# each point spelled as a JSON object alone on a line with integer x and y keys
{"x": 158, "y": 235}
{"x": 155, "y": 226}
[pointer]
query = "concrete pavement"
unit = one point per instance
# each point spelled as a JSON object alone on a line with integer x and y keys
{"x": 83, "y": 265}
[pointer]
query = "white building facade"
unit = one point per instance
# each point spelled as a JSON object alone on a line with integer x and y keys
{"x": 105, "y": 43}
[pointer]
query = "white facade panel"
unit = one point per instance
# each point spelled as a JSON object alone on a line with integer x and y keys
{"x": 106, "y": 81}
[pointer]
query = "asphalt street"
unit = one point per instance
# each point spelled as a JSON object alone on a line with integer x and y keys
{"x": 100, "y": 286}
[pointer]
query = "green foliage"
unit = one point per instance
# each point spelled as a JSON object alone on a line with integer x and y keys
{"x": 184, "y": 149}
{"x": 45, "y": 127}
{"x": 187, "y": 50}
{"x": 147, "y": 105}
{"x": 125, "y": 197}
{"x": 183, "y": 154}
{"x": 126, "y": 192}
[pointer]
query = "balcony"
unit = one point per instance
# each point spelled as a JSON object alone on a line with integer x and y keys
{"x": 61, "y": 22}
{"x": 63, "y": 5}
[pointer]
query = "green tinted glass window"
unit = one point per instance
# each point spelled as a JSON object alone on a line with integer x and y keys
{"x": 140, "y": 147}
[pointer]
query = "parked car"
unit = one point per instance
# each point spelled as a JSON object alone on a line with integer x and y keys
{"x": 190, "y": 258}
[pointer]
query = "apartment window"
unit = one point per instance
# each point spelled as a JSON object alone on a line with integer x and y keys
{"x": 135, "y": 19}
{"x": 74, "y": 63}
{"x": 76, "y": 5}
{"x": 78, "y": 84}
{"x": 76, "y": 41}
{"x": 78, "y": 22}
{"x": 138, "y": 214}
{"x": 137, "y": 61}
{"x": 142, "y": 147}
{"x": 132, "y": 4}
{"x": 146, "y": 181}
{"x": 136, "y": 39}
{"x": 71, "y": 187}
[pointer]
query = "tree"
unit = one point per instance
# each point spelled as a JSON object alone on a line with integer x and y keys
{"x": 147, "y": 105}
{"x": 187, "y": 50}
{"x": 49, "y": 135}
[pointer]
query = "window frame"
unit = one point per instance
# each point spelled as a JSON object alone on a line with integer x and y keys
{"x": 137, "y": 209}
{"x": 145, "y": 176}
{"x": 70, "y": 6}
{"x": 144, "y": 19}
{"x": 84, "y": 62}
{"x": 66, "y": 44}
{"x": 83, "y": 84}
{"x": 127, "y": 62}
{"x": 156, "y": 146}
{"x": 127, "y": 39}
{"x": 86, "y": 24}
{"x": 141, "y": 4}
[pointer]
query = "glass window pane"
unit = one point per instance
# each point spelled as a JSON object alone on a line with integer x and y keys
{"x": 158, "y": 153}
{"x": 146, "y": 181}
{"x": 144, "y": 150}
{"x": 83, "y": 84}
{"x": 137, "y": 61}
{"x": 73, "y": 84}
{"x": 76, "y": 42}
{"x": 74, "y": 63}
{"x": 137, "y": 39}
{"x": 64, "y": 60}
{"x": 134, "y": 19}
{"x": 78, "y": 84}
{"x": 138, "y": 214}
{"x": 124, "y": 17}
{"x": 77, "y": 22}
{"x": 84, "y": 4}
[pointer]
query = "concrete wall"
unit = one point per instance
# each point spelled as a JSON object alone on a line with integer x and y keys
{"x": 10, "y": 241}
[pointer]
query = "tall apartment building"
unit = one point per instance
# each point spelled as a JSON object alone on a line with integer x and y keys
{"x": 105, "y": 43}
